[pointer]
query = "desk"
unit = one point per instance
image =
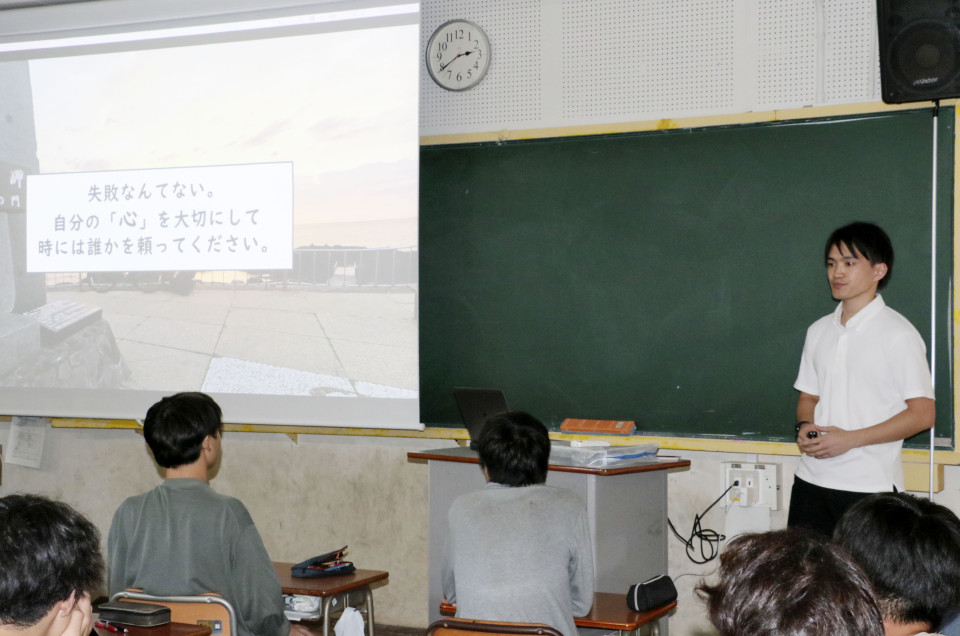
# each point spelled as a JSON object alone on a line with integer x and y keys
{"x": 626, "y": 508}
{"x": 329, "y": 588}
{"x": 170, "y": 629}
{"x": 609, "y": 611}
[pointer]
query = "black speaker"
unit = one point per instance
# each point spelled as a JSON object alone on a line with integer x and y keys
{"x": 919, "y": 49}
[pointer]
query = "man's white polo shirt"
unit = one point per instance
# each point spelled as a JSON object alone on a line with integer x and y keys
{"x": 863, "y": 374}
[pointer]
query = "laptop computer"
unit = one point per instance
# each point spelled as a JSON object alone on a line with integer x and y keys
{"x": 476, "y": 407}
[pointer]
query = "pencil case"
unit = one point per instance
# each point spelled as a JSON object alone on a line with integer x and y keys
{"x": 328, "y": 564}
{"x": 133, "y": 613}
{"x": 651, "y": 594}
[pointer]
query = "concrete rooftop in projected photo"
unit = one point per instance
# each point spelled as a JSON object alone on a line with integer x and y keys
{"x": 265, "y": 340}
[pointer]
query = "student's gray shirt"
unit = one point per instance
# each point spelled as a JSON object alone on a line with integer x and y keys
{"x": 521, "y": 555}
{"x": 184, "y": 538}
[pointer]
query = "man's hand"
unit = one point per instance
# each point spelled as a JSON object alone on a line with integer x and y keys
{"x": 81, "y": 618}
{"x": 802, "y": 438}
{"x": 829, "y": 442}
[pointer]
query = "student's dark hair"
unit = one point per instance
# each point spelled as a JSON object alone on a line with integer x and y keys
{"x": 176, "y": 426}
{"x": 910, "y": 549}
{"x": 791, "y": 582}
{"x": 48, "y": 551}
{"x": 867, "y": 240}
{"x": 515, "y": 449}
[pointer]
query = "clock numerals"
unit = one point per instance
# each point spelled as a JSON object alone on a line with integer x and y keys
{"x": 461, "y": 77}
{"x": 458, "y": 55}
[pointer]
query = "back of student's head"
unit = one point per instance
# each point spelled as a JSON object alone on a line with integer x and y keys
{"x": 910, "y": 549}
{"x": 867, "y": 240}
{"x": 48, "y": 552}
{"x": 790, "y": 583}
{"x": 176, "y": 426}
{"x": 515, "y": 449}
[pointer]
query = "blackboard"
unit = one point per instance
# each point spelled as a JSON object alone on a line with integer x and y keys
{"x": 669, "y": 277}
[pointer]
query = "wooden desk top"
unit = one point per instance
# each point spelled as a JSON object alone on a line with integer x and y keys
{"x": 466, "y": 456}
{"x": 609, "y": 611}
{"x": 324, "y": 585}
{"x": 170, "y": 629}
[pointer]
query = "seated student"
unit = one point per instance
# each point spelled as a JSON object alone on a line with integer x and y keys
{"x": 50, "y": 564}
{"x": 910, "y": 549}
{"x": 184, "y": 538}
{"x": 519, "y": 550}
{"x": 792, "y": 581}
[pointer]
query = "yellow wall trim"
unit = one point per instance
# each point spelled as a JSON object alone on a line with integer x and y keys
{"x": 841, "y": 110}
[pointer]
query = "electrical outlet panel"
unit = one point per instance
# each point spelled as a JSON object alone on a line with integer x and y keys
{"x": 752, "y": 485}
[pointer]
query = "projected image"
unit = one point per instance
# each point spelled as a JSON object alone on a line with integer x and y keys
{"x": 235, "y": 217}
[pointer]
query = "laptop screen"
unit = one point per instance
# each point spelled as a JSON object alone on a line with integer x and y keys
{"x": 477, "y": 406}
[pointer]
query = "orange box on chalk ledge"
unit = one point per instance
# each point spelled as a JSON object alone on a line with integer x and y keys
{"x": 598, "y": 427}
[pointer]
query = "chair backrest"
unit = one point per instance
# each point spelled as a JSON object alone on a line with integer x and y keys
{"x": 471, "y": 627}
{"x": 204, "y": 609}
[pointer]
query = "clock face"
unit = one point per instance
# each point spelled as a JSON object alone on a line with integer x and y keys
{"x": 458, "y": 55}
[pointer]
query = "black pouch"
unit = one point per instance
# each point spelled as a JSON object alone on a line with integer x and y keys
{"x": 651, "y": 594}
{"x": 131, "y": 613}
{"x": 328, "y": 564}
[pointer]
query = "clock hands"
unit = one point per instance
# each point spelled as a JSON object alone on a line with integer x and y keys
{"x": 444, "y": 66}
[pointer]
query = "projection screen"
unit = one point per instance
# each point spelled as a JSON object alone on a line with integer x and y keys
{"x": 194, "y": 200}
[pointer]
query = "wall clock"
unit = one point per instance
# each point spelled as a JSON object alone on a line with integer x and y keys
{"x": 458, "y": 55}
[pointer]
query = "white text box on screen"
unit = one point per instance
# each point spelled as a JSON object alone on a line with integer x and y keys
{"x": 185, "y": 218}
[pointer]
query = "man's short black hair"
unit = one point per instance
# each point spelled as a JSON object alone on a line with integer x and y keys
{"x": 791, "y": 581}
{"x": 48, "y": 552}
{"x": 910, "y": 549}
{"x": 867, "y": 240}
{"x": 176, "y": 426}
{"x": 515, "y": 449}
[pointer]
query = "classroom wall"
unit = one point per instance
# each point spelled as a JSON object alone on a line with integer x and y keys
{"x": 569, "y": 63}
{"x": 324, "y": 491}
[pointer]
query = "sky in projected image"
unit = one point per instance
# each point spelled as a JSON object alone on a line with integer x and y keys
{"x": 341, "y": 106}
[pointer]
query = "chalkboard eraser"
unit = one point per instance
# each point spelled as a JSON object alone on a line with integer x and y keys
{"x": 598, "y": 427}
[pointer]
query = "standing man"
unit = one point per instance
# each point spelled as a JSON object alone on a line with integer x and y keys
{"x": 182, "y": 538}
{"x": 519, "y": 550}
{"x": 864, "y": 385}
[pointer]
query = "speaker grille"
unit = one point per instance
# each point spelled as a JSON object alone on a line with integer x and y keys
{"x": 919, "y": 50}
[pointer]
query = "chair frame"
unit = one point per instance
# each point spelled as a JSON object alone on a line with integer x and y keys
{"x": 208, "y": 599}
{"x": 451, "y": 626}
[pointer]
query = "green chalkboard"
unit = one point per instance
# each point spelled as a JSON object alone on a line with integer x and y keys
{"x": 669, "y": 277}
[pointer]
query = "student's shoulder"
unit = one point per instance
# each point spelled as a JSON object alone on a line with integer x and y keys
{"x": 496, "y": 497}
{"x": 193, "y": 495}
{"x": 131, "y": 504}
{"x": 230, "y": 503}
{"x": 473, "y": 498}
{"x": 556, "y": 498}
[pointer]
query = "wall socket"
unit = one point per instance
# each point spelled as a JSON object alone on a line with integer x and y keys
{"x": 752, "y": 485}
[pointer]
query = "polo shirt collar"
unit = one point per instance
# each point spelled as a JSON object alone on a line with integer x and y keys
{"x": 873, "y": 308}
{"x": 184, "y": 483}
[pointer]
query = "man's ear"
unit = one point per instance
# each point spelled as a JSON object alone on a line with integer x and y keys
{"x": 65, "y": 606}
{"x": 879, "y": 271}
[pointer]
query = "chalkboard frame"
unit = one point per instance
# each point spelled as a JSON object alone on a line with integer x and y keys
{"x": 482, "y": 204}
